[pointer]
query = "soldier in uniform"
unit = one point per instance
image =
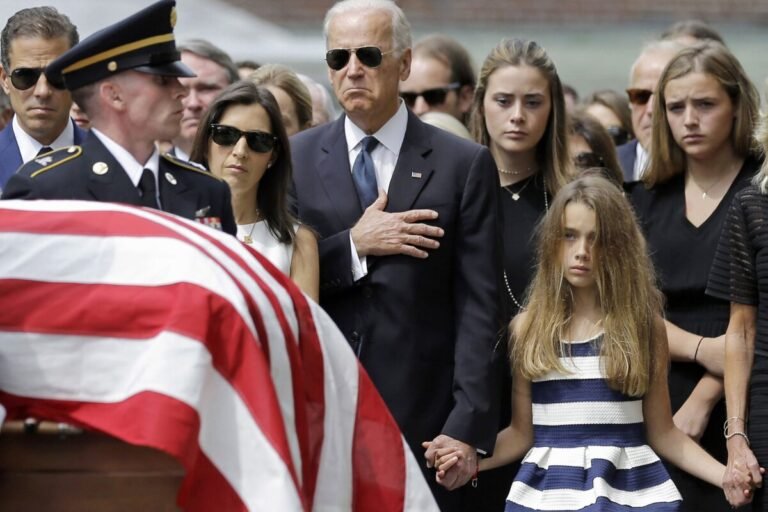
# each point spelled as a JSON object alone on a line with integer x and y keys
{"x": 125, "y": 78}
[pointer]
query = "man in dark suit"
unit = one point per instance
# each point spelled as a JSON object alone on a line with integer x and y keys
{"x": 410, "y": 274}
{"x": 125, "y": 78}
{"x": 643, "y": 80}
{"x": 31, "y": 39}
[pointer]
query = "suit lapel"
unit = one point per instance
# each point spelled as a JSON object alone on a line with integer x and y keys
{"x": 10, "y": 156}
{"x": 413, "y": 168}
{"x": 336, "y": 175}
{"x": 113, "y": 185}
{"x": 175, "y": 196}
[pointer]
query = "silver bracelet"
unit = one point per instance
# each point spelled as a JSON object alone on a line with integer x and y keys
{"x": 742, "y": 434}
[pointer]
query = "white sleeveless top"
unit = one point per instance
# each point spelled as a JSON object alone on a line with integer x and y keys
{"x": 278, "y": 253}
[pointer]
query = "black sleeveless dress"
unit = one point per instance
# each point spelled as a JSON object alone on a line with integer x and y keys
{"x": 740, "y": 274}
{"x": 682, "y": 255}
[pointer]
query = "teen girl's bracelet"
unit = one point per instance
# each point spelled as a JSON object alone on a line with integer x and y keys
{"x": 698, "y": 346}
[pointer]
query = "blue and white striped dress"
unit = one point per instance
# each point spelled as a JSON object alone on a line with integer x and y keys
{"x": 589, "y": 448}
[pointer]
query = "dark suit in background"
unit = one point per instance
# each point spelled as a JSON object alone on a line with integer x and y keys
{"x": 627, "y": 154}
{"x": 10, "y": 156}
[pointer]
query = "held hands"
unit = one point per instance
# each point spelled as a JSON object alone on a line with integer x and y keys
{"x": 381, "y": 233}
{"x": 742, "y": 474}
{"x": 455, "y": 462}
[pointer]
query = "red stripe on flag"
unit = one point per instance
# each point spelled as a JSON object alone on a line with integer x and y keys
{"x": 378, "y": 463}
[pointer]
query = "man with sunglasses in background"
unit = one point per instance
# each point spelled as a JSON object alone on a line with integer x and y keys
{"x": 30, "y": 40}
{"x": 125, "y": 78}
{"x": 408, "y": 228}
{"x": 442, "y": 78}
{"x": 643, "y": 80}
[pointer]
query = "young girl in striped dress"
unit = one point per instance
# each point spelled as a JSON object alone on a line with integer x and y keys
{"x": 589, "y": 356}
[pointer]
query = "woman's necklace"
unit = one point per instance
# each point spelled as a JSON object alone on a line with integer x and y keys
{"x": 248, "y": 239}
{"x": 506, "y": 171}
{"x": 705, "y": 193}
{"x": 516, "y": 195}
{"x": 546, "y": 209}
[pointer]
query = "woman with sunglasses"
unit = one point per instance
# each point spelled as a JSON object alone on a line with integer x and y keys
{"x": 519, "y": 113}
{"x": 704, "y": 114}
{"x": 611, "y": 109}
{"x": 242, "y": 140}
{"x": 591, "y": 146}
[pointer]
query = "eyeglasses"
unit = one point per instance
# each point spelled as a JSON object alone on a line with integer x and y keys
{"x": 258, "y": 141}
{"x": 432, "y": 97}
{"x": 618, "y": 134}
{"x": 588, "y": 159}
{"x": 369, "y": 56}
{"x": 639, "y": 96}
{"x": 24, "y": 78}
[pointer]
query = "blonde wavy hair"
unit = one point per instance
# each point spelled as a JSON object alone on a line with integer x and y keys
{"x": 626, "y": 288}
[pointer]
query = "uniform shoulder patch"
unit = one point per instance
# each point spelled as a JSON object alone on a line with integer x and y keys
{"x": 189, "y": 166}
{"x": 55, "y": 158}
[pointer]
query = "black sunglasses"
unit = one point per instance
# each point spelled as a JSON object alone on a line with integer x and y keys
{"x": 587, "y": 160}
{"x": 258, "y": 141}
{"x": 639, "y": 96}
{"x": 618, "y": 134}
{"x": 433, "y": 97}
{"x": 369, "y": 56}
{"x": 24, "y": 78}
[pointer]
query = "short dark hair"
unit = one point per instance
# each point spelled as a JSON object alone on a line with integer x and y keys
{"x": 210, "y": 51}
{"x": 697, "y": 29}
{"x": 272, "y": 196}
{"x": 42, "y": 22}
{"x": 451, "y": 53}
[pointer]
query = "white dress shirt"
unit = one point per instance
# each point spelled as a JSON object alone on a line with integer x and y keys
{"x": 29, "y": 147}
{"x": 641, "y": 161}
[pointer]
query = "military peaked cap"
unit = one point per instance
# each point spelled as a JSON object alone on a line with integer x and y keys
{"x": 142, "y": 42}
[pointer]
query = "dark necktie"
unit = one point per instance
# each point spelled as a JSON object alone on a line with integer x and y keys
{"x": 44, "y": 150}
{"x": 148, "y": 189}
{"x": 364, "y": 173}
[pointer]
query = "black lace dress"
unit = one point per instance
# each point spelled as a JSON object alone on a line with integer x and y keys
{"x": 740, "y": 274}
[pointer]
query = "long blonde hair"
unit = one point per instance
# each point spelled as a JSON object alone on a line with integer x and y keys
{"x": 552, "y": 150}
{"x": 625, "y": 281}
{"x": 714, "y": 59}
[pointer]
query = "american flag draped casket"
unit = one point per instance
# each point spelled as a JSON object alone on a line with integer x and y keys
{"x": 164, "y": 333}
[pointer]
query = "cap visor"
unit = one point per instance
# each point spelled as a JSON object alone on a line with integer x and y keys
{"x": 177, "y": 68}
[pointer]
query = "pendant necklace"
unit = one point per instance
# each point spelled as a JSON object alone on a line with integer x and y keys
{"x": 516, "y": 195}
{"x": 546, "y": 209}
{"x": 248, "y": 239}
